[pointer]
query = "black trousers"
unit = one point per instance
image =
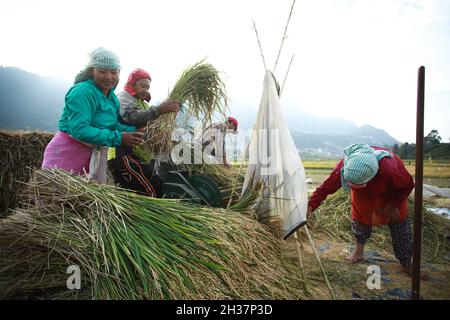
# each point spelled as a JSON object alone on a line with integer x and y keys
{"x": 401, "y": 234}
{"x": 130, "y": 172}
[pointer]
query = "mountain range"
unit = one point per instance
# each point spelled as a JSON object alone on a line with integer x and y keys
{"x": 33, "y": 102}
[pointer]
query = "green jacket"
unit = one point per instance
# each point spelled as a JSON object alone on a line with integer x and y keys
{"x": 91, "y": 117}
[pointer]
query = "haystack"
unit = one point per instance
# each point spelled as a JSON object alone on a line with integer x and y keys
{"x": 20, "y": 151}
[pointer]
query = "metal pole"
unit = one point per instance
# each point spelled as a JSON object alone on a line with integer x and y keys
{"x": 417, "y": 244}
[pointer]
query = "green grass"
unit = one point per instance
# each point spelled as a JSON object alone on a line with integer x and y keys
{"x": 320, "y": 164}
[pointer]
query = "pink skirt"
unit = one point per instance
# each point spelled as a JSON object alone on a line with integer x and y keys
{"x": 64, "y": 152}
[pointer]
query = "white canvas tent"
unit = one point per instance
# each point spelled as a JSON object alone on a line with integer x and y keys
{"x": 274, "y": 161}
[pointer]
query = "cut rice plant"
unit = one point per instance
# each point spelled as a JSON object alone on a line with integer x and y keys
{"x": 199, "y": 89}
{"x": 130, "y": 246}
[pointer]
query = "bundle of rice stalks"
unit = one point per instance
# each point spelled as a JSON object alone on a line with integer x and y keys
{"x": 274, "y": 225}
{"x": 334, "y": 218}
{"x": 134, "y": 247}
{"x": 199, "y": 89}
{"x": 20, "y": 151}
{"x": 224, "y": 176}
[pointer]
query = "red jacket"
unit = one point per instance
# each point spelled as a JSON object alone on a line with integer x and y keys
{"x": 391, "y": 185}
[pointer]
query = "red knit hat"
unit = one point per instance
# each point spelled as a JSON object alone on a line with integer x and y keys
{"x": 135, "y": 75}
{"x": 233, "y": 121}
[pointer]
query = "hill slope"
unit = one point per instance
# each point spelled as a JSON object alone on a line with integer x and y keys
{"x": 32, "y": 102}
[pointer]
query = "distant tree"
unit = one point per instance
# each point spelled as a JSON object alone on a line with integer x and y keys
{"x": 406, "y": 151}
{"x": 433, "y": 148}
{"x": 432, "y": 138}
{"x": 442, "y": 151}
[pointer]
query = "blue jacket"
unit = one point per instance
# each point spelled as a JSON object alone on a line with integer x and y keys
{"x": 92, "y": 117}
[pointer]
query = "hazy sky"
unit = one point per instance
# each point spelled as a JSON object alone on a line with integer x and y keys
{"x": 354, "y": 59}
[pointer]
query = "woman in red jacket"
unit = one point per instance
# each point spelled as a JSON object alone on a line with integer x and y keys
{"x": 380, "y": 185}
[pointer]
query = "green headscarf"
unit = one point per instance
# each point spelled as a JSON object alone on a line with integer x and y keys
{"x": 98, "y": 58}
{"x": 360, "y": 164}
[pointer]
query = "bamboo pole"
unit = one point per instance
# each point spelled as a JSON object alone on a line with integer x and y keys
{"x": 284, "y": 36}
{"x": 287, "y": 72}
{"x": 299, "y": 245}
{"x": 259, "y": 44}
{"x": 311, "y": 241}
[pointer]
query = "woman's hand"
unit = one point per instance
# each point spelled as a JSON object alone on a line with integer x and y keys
{"x": 132, "y": 139}
{"x": 392, "y": 213}
{"x": 169, "y": 106}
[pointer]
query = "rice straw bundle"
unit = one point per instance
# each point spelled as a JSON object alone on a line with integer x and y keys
{"x": 19, "y": 151}
{"x": 201, "y": 90}
{"x": 134, "y": 247}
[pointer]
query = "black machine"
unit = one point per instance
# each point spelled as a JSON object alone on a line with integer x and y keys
{"x": 178, "y": 184}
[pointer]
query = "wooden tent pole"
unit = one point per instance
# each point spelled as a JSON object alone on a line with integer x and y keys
{"x": 284, "y": 36}
{"x": 418, "y": 192}
{"x": 259, "y": 44}
{"x": 287, "y": 72}
{"x": 311, "y": 241}
{"x": 300, "y": 259}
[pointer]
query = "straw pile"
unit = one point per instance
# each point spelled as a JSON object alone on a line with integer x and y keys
{"x": 19, "y": 151}
{"x": 334, "y": 218}
{"x": 201, "y": 90}
{"x": 134, "y": 247}
{"x": 231, "y": 181}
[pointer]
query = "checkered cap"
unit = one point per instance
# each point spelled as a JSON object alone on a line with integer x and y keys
{"x": 360, "y": 164}
{"x": 99, "y": 58}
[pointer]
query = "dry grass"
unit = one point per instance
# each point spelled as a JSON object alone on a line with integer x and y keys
{"x": 432, "y": 169}
{"x": 19, "y": 151}
{"x": 349, "y": 281}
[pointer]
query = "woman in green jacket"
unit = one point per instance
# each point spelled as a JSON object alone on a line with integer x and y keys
{"x": 89, "y": 123}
